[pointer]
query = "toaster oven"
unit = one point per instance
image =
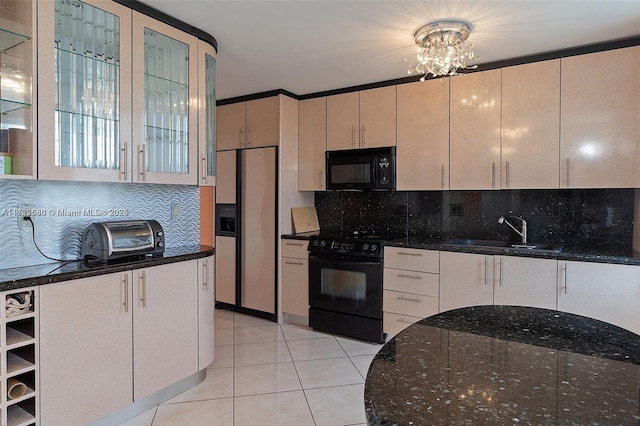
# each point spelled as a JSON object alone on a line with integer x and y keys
{"x": 107, "y": 241}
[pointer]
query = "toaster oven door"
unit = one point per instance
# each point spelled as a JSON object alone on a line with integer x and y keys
{"x": 130, "y": 236}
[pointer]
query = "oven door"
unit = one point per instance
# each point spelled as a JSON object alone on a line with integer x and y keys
{"x": 351, "y": 286}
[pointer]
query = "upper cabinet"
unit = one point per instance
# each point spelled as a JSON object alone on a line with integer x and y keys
{"x": 17, "y": 83}
{"x": 84, "y": 109}
{"x": 165, "y": 109}
{"x": 312, "y": 144}
{"x": 251, "y": 124}
{"x": 207, "y": 113}
{"x": 422, "y": 154}
{"x": 475, "y": 130}
{"x": 600, "y": 120}
{"x": 531, "y": 126}
{"x": 365, "y": 119}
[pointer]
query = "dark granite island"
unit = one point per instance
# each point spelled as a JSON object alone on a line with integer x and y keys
{"x": 506, "y": 365}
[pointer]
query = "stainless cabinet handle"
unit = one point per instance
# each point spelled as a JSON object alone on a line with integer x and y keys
{"x": 402, "y": 253}
{"x": 241, "y": 137}
{"x": 500, "y": 275}
{"x": 363, "y": 141}
{"x": 485, "y": 271}
{"x": 123, "y": 162}
{"x": 288, "y": 262}
{"x": 493, "y": 175}
{"x": 413, "y": 277}
{"x": 142, "y": 288}
{"x": 125, "y": 291}
{"x": 353, "y": 136}
{"x": 249, "y": 141}
{"x": 205, "y": 276}
{"x": 142, "y": 166}
{"x": 566, "y": 268}
{"x": 294, "y": 244}
{"x": 442, "y": 176}
{"x": 506, "y": 166}
{"x": 320, "y": 182}
{"x": 408, "y": 299}
{"x": 204, "y": 168}
{"x": 566, "y": 175}
{"x": 404, "y": 321}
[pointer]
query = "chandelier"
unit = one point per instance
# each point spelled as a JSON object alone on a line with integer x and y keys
{"x": 442, "y": 49}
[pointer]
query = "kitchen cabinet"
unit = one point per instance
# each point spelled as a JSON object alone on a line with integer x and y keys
{"x": 607, "y": 292}
{"x": 19, "y": 376}
{"x": 531, "y": 126}
{"x": 86, "y": 348}
{"x": 206, "y": 303}
{"x": 422, "y": 153}
{"x": 207, "y": 113}
{"x": 365, "y": 119}
{"x": 468, "y": 279}
{"x": 165, "y": 329}
{"x": 411, "y": 287}
{"x": 295, "y": 278}
{"x": 599, "y": 127}
{"x": 17, "y": 86}
{"x": 312, "y": 144}
{"x": 84, "y": 109}
{"x": 475, "y": 131}
{"x": 250, "y": 124}
{"x": 165, "y": 107}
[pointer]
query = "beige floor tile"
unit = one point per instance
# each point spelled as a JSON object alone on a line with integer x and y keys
{"x": 213, "y": 412}
{"x": 362, "y": 363}
{"x": 265, "y": 378}
{"x": 266, "y": 333}
{"x": 309, "y": 349}
{"x": 218, "y": 384}
{"x": 327, "y": 372}
{"x": 261, "y": 353}
{"x": 285, "y": 408}
{"x": 223, "y": 318}
{"x": 144, "y": 419}
{"x": 341, "y": 405}
{"x": 224, "y": 336}
{"x": 223, "y": 357}
{"x": 241, "y": 320}
{"x": 355, "y": 347}
{"x": 294, "y": 332}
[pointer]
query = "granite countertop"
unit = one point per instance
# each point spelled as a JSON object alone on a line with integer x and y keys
{"x": 14, "y": 278}
{"x": 569, "y": 252}
{"x": 506, "y": 365}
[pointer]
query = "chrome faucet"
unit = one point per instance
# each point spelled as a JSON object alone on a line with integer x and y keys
{"x": 522, "y": 233}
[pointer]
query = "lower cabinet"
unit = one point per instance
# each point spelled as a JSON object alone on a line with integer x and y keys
{"x": 607, "y": 292}
{"x": 465, "y": 280}
{"x": 85, "y": 348}
{"x": 110, "y": 340}
{"x": 295, "y": 278}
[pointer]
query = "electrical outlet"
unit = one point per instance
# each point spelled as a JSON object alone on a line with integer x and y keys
{"x": 175, "y": 210}
{"x": 22, "y": 209}
{"x": 456, "y": 209}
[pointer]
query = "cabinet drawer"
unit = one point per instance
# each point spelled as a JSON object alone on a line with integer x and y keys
{"x": 415, "y": 305}
{"x": 295, "y": 248}
{"x": 412, "y": 259}
{"x": 393, "y": 324}
{"x": 411, "y": 282}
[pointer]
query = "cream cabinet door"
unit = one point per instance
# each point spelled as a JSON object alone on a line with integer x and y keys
{"x": 606, "y": 292}
{"x": 343, "y": 121}
{"x": 378, "y": 117}
{"x": 475, "y": 130}
{"x": 531, "y": 126}
{"x": 206, "y": 114}
{"x": 422, "y": 154}
{"x": 525, "y": 281}
{"x": 466, "y": 279}
{"x": 165, "y": 326}
{"x": 230, "y": 126}
{"x": 295, "y": 286}
{"x": 206, "y": 302}
{"x": 312, "y": 144}
{"x": 600, "y": 120}
{"x": 263, "y": 122}
{"x": 86, "y": 348}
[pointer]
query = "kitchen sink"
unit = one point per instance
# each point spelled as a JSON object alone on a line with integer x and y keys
{"x": 467, "y": 242}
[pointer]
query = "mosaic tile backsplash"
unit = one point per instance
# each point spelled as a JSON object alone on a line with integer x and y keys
{"x": 62, "y": 210}
{"x": 590, "y": 218}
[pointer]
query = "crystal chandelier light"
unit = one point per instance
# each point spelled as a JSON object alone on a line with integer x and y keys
{"x": 442, "y": 49}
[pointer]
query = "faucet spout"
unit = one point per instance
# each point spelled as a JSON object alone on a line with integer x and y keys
{"x": 523, "y": 233}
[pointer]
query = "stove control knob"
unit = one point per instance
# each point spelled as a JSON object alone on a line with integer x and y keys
{"x": 323, "y": 243}
{"x": 374, "y": 247}
{"x": 315, "y": 243}
{"x": 365, "y": 246}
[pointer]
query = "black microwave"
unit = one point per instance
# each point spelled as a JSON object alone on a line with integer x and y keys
{"x": 370, "y": 168}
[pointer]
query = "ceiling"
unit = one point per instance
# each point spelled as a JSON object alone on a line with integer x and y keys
{"x": 309, "y": 46}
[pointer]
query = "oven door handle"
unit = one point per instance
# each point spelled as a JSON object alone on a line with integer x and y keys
{"x": 344, "y": 262}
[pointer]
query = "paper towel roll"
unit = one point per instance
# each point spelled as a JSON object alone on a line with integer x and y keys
{"x": 15, "y": 388}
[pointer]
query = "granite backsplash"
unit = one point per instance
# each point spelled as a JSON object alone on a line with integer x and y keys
{"x": 591, "y": 218}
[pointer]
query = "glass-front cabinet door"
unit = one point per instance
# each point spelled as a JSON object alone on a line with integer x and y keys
{"x": 207, "y": 113}
{"x": 165, "y": 107}
{"x": 17, "y": 82}
{"x": 85, "y": 105}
